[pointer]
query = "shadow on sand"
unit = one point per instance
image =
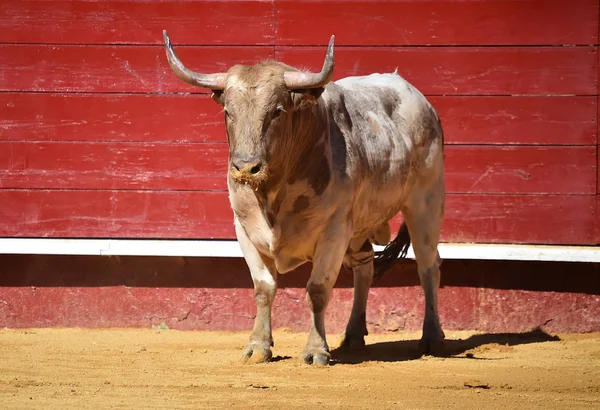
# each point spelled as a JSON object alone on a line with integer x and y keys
{"x": 403, "y": 350}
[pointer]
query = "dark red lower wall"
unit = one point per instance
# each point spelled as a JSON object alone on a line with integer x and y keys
{"x": 216, "y": 294}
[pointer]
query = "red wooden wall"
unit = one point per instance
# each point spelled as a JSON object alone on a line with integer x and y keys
{"x": 99, "y": 139}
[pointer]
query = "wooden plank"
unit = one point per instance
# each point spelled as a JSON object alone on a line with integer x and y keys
{"x": 196, "y": 118}
{"x": 504, "y": 22}
{"x": 135, "y": 22}
{"x": 115, "y": 214}
{"x": 190, "y": 166}
{"x": 551, "y": 220}
{"x": 597, "y": 225}
{"x": 307, "y": 22}
{"x": 598, "y": 143}
{"x": 518, "y": 120}
{"x": 528, "y": 169}
{"x": 110, "y": 117}
{"x": 453, "y": 71}
{"x": 112, "y": 68}
{"x": 180, "y": 214}
{"x": 466, "y": 70}
{"x": 113, "y": 165}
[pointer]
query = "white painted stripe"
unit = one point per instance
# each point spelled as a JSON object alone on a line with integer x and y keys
{"x": 552, "y": 253}
{"x": 159, "y": 247}
{"x": 218, "y": 248}
{"x": 45, "y": 246}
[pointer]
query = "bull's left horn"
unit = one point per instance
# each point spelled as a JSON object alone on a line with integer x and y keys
{"x": 297, "y": 80}
{"x": 211, "y": 81}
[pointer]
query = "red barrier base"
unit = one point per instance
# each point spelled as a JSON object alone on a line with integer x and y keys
{"x": 216, "y": 294}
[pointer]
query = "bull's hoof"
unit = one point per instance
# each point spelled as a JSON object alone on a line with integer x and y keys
{"x": 316, "y": 357}
{"x": 432, "y": 344}
{"x": 255, "y": 353}
{"x": 353, "y": 342}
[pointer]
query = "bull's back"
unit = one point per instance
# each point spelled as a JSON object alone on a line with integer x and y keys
{"x": 391, "y": 134}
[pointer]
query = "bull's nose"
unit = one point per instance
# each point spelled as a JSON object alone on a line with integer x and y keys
{"x": 251, "y": 166}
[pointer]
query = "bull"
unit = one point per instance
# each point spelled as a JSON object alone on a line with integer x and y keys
{"x": 316, "y": 171}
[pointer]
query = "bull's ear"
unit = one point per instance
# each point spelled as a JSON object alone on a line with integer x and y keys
{"x": 217, "y": 96}
{"x": 306, "y": 98}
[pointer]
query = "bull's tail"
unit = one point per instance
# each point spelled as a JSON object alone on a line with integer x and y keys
{"x": 398, "y": 248}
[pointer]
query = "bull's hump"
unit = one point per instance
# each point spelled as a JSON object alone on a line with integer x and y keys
{"x": 375, "y": 79}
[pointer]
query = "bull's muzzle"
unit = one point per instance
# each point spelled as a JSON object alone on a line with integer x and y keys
{"x": 250, "y": 171}
{"x": 252, "y": 166}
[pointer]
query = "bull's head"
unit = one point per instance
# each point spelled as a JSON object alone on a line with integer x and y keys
{"x": 259, "y": 102}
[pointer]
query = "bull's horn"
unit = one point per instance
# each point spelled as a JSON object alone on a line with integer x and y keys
{"x": 211, "y": 81}
{"x": 297, "y": 80}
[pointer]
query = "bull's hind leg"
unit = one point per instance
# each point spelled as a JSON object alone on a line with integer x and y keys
{"x": 264, "y": 276}
{"x": 423, "y": 215}
{"x": 360, "y": 258}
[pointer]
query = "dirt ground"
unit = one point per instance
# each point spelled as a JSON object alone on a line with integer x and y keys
{"x": 79, "y": 368}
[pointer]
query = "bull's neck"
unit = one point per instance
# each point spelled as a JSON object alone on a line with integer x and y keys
{"x": 301, "y": 162}
{"x": 304, "y": 153}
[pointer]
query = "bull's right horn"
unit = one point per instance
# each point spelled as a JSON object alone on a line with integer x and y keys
{"x": 211, "y": 81}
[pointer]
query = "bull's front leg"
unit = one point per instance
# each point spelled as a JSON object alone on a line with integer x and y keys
{"x": 264, "y": 276}
{"x": 360, "y": 258}
{"x": 327, "y": 261}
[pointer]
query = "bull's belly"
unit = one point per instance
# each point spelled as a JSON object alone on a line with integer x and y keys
{"x": 292, "y": 239}
{"x": 368, "y": 227}
{"x": 372, "y": 209}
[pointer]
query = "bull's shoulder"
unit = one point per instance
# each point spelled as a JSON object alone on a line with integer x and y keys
{"x": 377, "y": 120}
{"x": 374, "y": 79}
{"x": 382, "y": 94}
{"x": 376, "y": 83}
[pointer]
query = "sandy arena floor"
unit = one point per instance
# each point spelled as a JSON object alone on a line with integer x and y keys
{"x": 77, "y": 368}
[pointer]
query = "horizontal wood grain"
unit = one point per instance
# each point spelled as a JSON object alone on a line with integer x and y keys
{"x": 179, "y": 214}
{"x": 134, "y": 22}
{"x": 196, "y": 118}
{"x": 503, "y": 22}
{"x": 189, "y": 166}
{"x": 597, "y": 224}
{"x": 434, "y": 70}
{"x": 518, "y": 120}
{"x": 110, "y": 117}
{"x": 113, "y": 165}
{"x": 70, "y": 68}
{"x": 466, "y": 70}
{"x": 524, "y": 219}
{"x": 115, "y": 214}
{"x": 529, "y": 169}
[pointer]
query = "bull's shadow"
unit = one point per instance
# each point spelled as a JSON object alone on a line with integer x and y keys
{"x": 403, "y": 350}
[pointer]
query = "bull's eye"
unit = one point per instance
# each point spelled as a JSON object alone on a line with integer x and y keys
{"x": 227, "y": 114}
{"x": 278, "y": 111}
